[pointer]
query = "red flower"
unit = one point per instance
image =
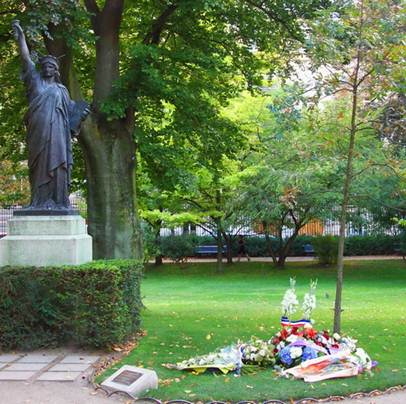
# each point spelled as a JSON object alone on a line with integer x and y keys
{"x": 284, "y": 333}
{"x": 294, "y": 330}
{"x": 326, "y": 335}
{"x": 310, "y": 333}
{"x": 276, "y": 341}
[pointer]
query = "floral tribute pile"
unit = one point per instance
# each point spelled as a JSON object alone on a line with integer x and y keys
{"x": 297, "y": 350}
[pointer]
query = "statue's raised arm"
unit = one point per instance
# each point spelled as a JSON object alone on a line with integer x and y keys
{"x": 22, "y": 44}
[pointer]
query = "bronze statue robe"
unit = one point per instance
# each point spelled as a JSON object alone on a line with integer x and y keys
{"x": 49, "y": 141}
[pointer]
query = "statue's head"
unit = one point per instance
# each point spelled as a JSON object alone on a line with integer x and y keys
{"x": 49, "y": 66}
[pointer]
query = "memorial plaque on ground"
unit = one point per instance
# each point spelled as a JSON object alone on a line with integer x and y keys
{"x": 132, "y": 380}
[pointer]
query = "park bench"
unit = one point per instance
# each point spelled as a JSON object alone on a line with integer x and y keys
{"x": 308, "y": 249}
{"x": 208, "y": 250}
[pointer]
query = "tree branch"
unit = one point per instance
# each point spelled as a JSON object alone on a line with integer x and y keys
{"x": 154, "y": 36}
{"x": 271, "y": 15}
{"x": 93, "y": 9}
{"x": 92, "y": 6}
{"x": 11, "y": 11}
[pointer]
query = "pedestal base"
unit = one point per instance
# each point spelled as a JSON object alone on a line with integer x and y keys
{"x": 46, "y": 240}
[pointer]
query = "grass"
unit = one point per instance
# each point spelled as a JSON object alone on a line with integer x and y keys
{"x": 192, "y": 310}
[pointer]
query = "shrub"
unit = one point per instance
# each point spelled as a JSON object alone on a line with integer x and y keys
{"x": 326, "y": 249}
{"x": 178, "y": 248}
{"x": 371, "y": 245}
{"x": 95, "y": 304}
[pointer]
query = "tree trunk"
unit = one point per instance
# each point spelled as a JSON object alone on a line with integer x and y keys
{"x": 270, "y": 249}
{"x": 229, "y": 253}
{"x": 219, "y": 247}
{"x": 109, "y": 152}
{"x": 157, "y": 241}
{"x": 344, "y": 206}
{"x": 284, "y": 250}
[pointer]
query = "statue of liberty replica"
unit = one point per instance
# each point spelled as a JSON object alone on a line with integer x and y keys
{"x": 51, "y": 120}
{"x": 48, "y": 231}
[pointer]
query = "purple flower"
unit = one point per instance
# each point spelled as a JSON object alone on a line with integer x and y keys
{"x": 285, "y": 357}
{"x": 309, "y": 353}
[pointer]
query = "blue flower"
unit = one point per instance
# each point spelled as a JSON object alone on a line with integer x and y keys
{"x": 285, "y": 357}
{"x": 309, "y": 353}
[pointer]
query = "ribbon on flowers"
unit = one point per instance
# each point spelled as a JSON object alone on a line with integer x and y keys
{"x": 285, "y": 322}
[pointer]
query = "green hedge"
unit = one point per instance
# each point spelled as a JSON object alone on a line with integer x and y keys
{"x": 326, "y": 249}
{"x": 379, "y": 244}
{"x": 95, "y": 304}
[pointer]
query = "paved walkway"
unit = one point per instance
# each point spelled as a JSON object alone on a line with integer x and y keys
{"x": 51, "y": 376}
{"x": 45, "y": 366}
{"x": 295, "y": 259}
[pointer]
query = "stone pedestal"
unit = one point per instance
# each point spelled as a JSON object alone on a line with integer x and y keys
{"x": 46, "y": 240}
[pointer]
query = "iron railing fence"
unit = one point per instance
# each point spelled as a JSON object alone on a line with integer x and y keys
{"x": 363, "y": 224}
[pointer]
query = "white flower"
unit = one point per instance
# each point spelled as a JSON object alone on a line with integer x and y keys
{"x": 289, "y": 301}
{"x": 295, "y": 352}
{"x": 262, "y": 353}
{"x": 309, "y": 302}
{"x": 292, "y": 338}
{"x": 280, "y": 346}
{"x": 363, "y": 359}
{"x": 336, "y": 336}
{"x": 350, "y": 343}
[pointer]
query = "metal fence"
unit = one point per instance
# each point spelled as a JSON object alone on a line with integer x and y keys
{"x": 363, "y": 225}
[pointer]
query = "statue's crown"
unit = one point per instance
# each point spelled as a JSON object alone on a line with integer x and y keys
{"x": 49, "y": 59}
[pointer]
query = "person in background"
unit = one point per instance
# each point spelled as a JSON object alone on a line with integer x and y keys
{"x": 241, "y": 249}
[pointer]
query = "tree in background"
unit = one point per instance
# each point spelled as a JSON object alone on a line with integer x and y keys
{"x": 292, "y": 176}
{"x": 14, "y": 185}
{"x": 358, "y": 52}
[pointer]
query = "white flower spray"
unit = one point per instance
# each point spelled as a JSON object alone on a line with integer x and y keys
{"x": 289, "y": 301}
{"x": 309, "y": 301}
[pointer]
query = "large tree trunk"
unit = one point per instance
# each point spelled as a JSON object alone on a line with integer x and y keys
{"x": 109, "y": 152}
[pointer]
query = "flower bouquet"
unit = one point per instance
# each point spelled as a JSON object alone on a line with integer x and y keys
{"x": 296, "y": 350}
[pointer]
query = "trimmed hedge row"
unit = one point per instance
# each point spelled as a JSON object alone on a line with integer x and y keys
{"x": 95, "y": 304}
{"x": 177, "y": 247}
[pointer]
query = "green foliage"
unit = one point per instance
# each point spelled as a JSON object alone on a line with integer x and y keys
{"x": 178, "y": 248}
{"x": 257, "y": 246}
{"x": 95, "y": 304}
{"x": 326, "y": 249}
{"x": 371, "y": 245}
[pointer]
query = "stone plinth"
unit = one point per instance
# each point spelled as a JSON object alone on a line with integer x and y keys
{"x": 46, "y": 240}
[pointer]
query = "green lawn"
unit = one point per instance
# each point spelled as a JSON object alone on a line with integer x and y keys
{"x": 192, "y": 310}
